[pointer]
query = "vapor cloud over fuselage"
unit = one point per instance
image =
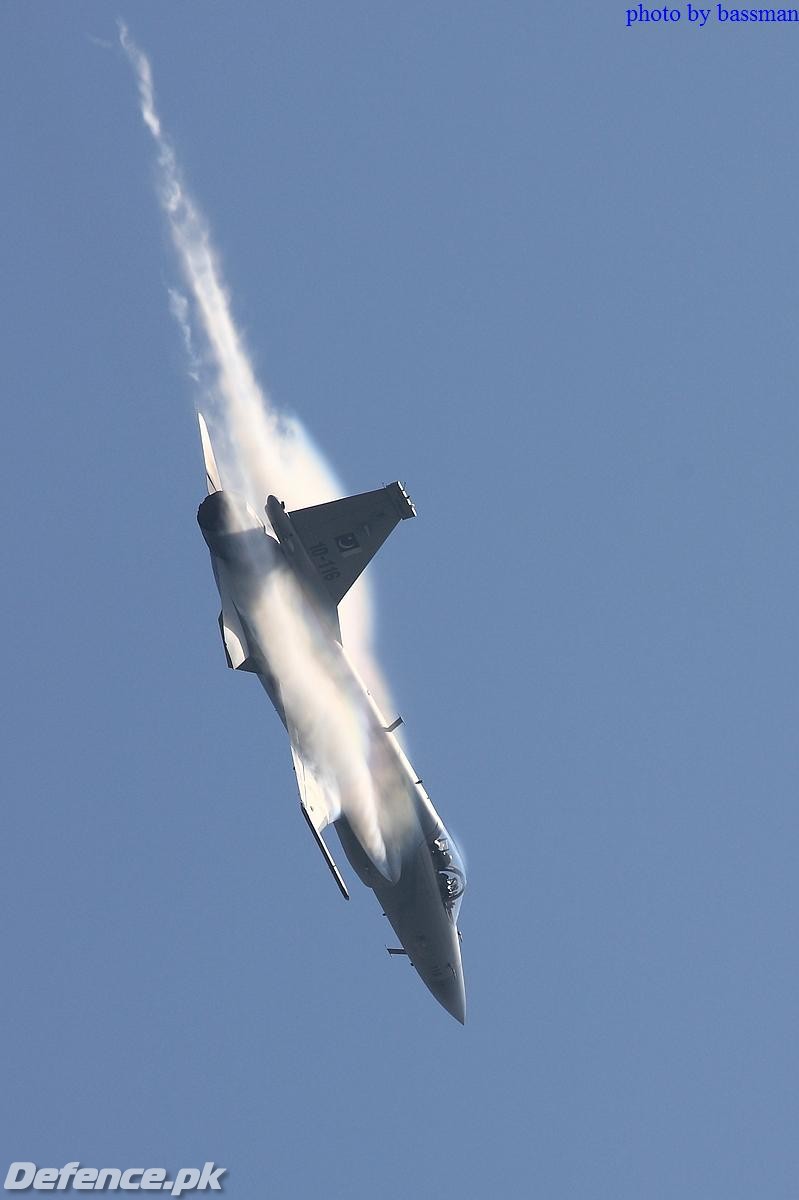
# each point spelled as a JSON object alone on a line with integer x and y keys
{"x": 260, "y": 450}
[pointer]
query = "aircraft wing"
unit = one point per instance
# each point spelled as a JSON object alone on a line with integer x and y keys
{"x": 342, "y": 536}
{"x": 316, "y": 809}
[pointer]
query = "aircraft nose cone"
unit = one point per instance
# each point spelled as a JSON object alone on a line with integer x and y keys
{"x": 451, "y": 995}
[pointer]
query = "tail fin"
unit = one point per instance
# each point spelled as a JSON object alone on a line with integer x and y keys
{"x": 212, "y": 477}
{"x": 341, "y": 537}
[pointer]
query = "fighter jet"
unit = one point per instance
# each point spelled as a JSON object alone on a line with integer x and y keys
{"x": 280, "y": 582}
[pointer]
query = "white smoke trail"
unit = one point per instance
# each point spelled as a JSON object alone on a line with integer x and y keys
{"x": 179, "y": 307}
{"x": 263, "y": 452}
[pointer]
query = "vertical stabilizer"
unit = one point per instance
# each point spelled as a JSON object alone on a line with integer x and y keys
{"x": 212, "y": 477}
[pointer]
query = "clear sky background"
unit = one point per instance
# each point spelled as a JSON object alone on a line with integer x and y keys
{"x": 544, "y": 268}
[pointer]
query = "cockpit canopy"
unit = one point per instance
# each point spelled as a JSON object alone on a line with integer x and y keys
{"x": 450, "y": 872}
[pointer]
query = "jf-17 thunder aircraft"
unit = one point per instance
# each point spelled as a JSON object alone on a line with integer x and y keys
{"x": 280, "y": 584}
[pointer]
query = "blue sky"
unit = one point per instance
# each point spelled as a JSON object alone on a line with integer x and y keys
{"x": 543, "y": 267}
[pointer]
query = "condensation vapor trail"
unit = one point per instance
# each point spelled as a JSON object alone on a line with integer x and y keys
{"x": 261, "y": 450}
